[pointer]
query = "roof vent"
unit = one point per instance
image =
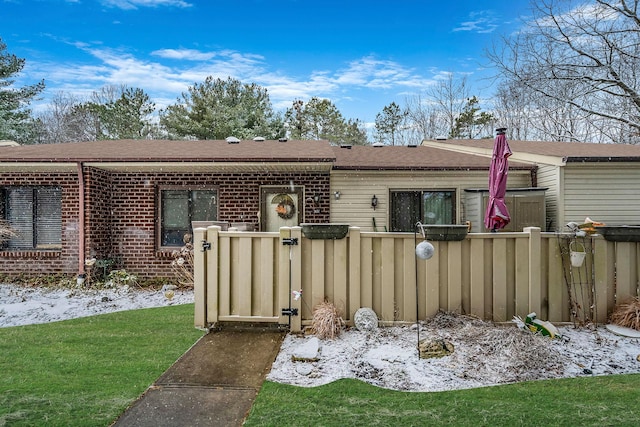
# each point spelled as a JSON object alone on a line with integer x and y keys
{"x": 282, "y": 140}
{"x": 232, "y": 140}
{"x": 412, "y": 145}
{"x": 441, "y": 138}
{"x": 259, "y": 138}
{"x": 377, "y": 144}
{"x": 347, "y": 146}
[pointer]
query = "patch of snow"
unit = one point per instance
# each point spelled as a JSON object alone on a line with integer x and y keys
{"x": 484, "y": 355}
{"x": 25, "y": 305}
{"x": 308, "y": 350}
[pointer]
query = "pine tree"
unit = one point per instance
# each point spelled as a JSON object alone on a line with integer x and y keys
{"x": 16, "y": 122}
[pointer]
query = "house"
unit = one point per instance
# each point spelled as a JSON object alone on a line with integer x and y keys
{"x": 131, "y": 202}
{"x": 385, "y": 188}
{"x": 599, "y": 181}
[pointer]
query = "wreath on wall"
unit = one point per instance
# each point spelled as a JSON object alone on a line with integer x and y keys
{"x": 285, "y": 207}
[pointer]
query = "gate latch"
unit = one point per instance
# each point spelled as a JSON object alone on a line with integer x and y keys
{"x": 290, "y": 242}
{"x": 205, "y": 246}
{"x": 289, "y": 311}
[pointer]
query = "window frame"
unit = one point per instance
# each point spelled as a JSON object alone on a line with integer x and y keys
{"x": 38, "y": 205}
{"x": 160, "y": 205}
{"x": 420, "y": 192}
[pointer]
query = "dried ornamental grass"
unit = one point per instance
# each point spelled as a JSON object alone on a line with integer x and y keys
{"x": 327, "y": 322}
{"x": 6, "y": 232}
{"x": 627, "y": 314}
{"x": 182, "y": 264}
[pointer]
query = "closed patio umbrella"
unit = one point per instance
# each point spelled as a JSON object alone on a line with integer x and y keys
{"x": 497, "y": 215}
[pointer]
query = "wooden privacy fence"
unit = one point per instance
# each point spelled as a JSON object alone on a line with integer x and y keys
{"x": 257, "y": 277}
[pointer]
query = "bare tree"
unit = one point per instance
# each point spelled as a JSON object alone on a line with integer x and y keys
{"x": 450, "y": 98}
{"x": 434, "y": 113}
{"x": 583, "y": 56}
{"x": 422, "y": 118}
{"x": 65, "y": 121}
{"x": 512, "y": 109}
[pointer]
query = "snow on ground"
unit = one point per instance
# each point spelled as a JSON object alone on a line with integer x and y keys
{"x": 29, "y": 305}
{"x": 484, "y": 354}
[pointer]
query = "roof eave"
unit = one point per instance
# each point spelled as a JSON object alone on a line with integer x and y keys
{"x": 602, "y": 159}
{"x": 170, "y": 166}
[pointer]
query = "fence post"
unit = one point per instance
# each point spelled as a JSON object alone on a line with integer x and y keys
{"x": 213, "y": 277}
{"x": 296, "y": 278}
{"x": 290, "y": 277}
{"x": 283, "y": 275}
{"x": 535, "y": 269}
{"x": 199, "y": 279}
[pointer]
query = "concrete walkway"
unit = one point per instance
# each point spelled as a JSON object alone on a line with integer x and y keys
{"x": 214, "y": 384}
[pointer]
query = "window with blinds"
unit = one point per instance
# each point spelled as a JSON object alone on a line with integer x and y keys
{"x": 35, "y": 214}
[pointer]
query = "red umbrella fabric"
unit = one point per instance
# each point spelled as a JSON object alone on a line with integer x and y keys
{"x": 497, "y": 215}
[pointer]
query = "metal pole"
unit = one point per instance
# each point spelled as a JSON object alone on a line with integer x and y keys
{"x": 415, "y": 244}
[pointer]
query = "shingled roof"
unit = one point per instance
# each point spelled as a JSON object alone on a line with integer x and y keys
{"x": 567, "y": 151}
{"x": 171, "y": 151}
{"x": 436, "y": 155}
{"x": 409, "y": 158}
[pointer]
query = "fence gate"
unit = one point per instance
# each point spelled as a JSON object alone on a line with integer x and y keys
{"x": 246, "y": 277}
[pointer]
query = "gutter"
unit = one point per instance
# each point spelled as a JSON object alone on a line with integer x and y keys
{"x": 610, "y": 159}
{"x": 81, "y": 229}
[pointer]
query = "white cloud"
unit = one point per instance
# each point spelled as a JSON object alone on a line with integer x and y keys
{"x": 167, "y": 73}
{"x": 135, "y": 4}
{"x": 379, "y": 74}
{"x": 184, "y": 54}
{"x": 479, "y": 22}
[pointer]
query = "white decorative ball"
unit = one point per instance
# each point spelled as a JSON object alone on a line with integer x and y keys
{"x": 424, "y": 250}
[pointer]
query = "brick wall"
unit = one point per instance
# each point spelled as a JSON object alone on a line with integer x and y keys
{"x": 134, "y": 196}
{"x": 121, "y": 215}
{"x": 98, "y": 213}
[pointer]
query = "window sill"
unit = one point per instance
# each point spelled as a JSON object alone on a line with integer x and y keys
{"x": 30, "y": 253}
{"x": 167, "y": 253}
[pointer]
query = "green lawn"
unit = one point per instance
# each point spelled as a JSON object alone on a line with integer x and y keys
{"x": 598, "y": 401}
{"x": 85, "y": 372}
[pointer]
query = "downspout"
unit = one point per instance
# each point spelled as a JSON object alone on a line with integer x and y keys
{"x": 81, "y": 231}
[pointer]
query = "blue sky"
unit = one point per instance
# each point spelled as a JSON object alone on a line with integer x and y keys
{"x": 362, "y": 55}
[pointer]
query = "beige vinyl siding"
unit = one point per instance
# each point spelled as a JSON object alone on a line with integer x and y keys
{"x": 472, "y": 210}
{"x": 604, "y": 192}
{"x": 549, "y": 177}
{"x": 358, "y": 187}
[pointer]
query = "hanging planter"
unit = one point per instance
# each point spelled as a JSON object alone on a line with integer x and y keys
{"x": 620, "y": 233}
{"x": 325, "y": 231}
{"x": 446, "y": 232}
{"x": 577, "y": 254}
